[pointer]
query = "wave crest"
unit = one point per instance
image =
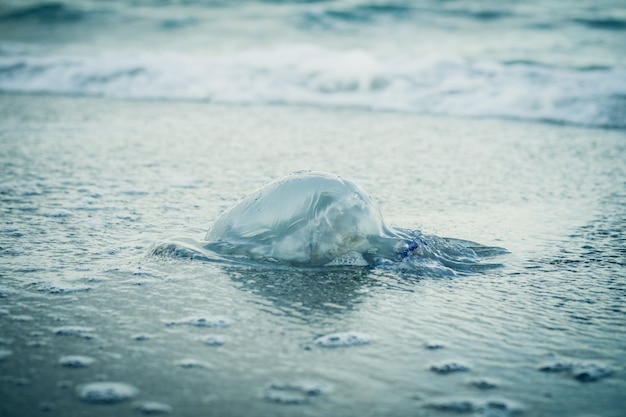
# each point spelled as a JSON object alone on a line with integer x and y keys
{"x": 309, "y": 75}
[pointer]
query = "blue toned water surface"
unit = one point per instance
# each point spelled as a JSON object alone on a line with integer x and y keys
{"x": 486, "y": 139}
{"x": 559, "y": 61}
{"x": 95, "y": 320}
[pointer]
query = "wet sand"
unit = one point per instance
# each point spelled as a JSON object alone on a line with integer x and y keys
{"x": 89, "y": 185}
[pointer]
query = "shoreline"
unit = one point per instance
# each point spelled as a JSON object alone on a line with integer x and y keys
{"x": 408, "y": 163}
{"x": 89, "y": 185}
{"x": 320, "y": 108}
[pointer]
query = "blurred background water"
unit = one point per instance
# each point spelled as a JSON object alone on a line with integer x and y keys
{"x": 560, "y": 61}
{"x": 126, "y": 123}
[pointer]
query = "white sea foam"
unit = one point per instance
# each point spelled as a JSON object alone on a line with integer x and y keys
{"x": 312, "y": 75}
{"x": 343, "y": 339}
{"x": 76, "y": 361}
{"x": 106, "y": 392}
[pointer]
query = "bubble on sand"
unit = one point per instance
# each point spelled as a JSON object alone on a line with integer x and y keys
{"x": 556, "y": 367}
{"x": 47, "y": 406}
{"x": 457, "y": 406}
{"x": 4, "y": 353}
{"x": 5, "y": 292}
{"x": 294, "y": 393}
{"x": 499, "y": 408}
{"x": 11, "y": 231}
{"x": 449, "y": 368}
{"x": 349, "y": 259}
{"x": 57, "y": 213}
{"x": 14, "y": 380}
{"x": 12, "y": 251}
{"x": 22, "y": 317}
{"x": 78, "y": 331}
{"x": 192, "y": 363}
{"x": 583, "y": 372}
{"x": 214, "y": 321}
{"x": 490, "y": 408}
{"x": 60, "y": 289}
{"x": 76, "y": 361}
{"x": 153, "y": 408}
{"x": 343, "y": 339}
{"x": 214, "y": 340}
{"x": 64, "y": 384}
{"x": 106, "y": 392}
{"x": 36, "y": 343}
{"x": 28, "y": 207}
{"x": 484, "y": 384}
{"x": 590, "y": 372}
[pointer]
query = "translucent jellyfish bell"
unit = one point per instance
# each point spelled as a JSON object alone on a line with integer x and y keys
{"x": 308, "y": 217}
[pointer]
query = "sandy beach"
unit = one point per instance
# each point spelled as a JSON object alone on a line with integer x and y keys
{"x": 90, "y": 185}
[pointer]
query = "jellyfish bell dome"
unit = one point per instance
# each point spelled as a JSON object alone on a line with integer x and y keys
{"x": 307, "y": 217}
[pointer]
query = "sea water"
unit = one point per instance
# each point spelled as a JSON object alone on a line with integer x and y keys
{"x": 92, "y": 323}
{"x": 559, "y": 61}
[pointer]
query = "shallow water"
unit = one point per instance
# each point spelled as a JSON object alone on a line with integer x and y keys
{"x": 89, "y": 186}
{"x": 311, "y": 219}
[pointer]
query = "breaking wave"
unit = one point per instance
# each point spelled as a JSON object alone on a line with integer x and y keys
{"x": 313, "y": 75}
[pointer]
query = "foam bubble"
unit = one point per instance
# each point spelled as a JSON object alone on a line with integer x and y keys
{"x": 433, "y": 345}
{"x": 349, "y": 259}
{"x": 343, "y": 339}
{"x": 556, "y": 367}
{"x": 79, "y": 331}
{"x": 57, "y": 213}
{"x": 5, "y": 292}
{"x": 60, "y": 289}
{"x": 500, "y": 408}
{"x": 4, "y": 353}
{"x": 36, "y": 343}
{"x": 22, "y": 317}
{"x": 484, "y": 384}
{"x": 16, "y": 381}
{"x": 299, "y": 392}
{"x": 189, "y": 363}
{"x": 204, "y": 321}
{"x": 491, "y": 408}
{"x": 106, "y": 392}
{"x": 449, "y": 368}
{"x": 64, "y": 384}
{"x": 590, "y": 372}
{"x": 457, "y": 406}
{"x": 76, "y": 361}
{"x": 153, "y": 407}
{"x": 47, "y": 406}
{"x": 213, "y": 340}
{"x": 583, "y": 372}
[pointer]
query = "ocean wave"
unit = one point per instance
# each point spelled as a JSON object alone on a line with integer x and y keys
{"x": 46, "y": 12}
{"x": 311, "y": 75}
{"x": 603, "y": 23}
{"x": 330, "y": 16}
